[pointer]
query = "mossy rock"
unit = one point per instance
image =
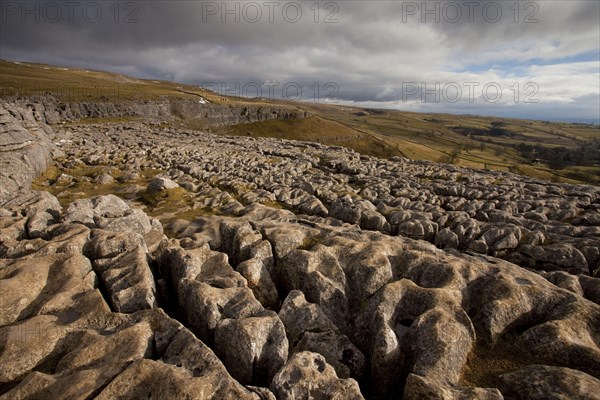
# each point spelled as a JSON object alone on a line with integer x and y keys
{"x": 169, "y": 195}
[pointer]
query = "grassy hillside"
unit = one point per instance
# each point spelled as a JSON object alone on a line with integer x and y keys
{"x": 560, "y": 152}
{"x": 315, "y": 129}
{"x": 75, "y": 84}
{"x": 522, "y": 146}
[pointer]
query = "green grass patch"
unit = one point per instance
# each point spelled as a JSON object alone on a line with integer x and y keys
{"x": 169, "y": 196}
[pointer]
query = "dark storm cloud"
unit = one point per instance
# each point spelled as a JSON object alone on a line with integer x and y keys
{"x": 371, "y": 52}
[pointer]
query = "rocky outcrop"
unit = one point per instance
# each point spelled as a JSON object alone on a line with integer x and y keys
{"x": 121, "y": 262}
{"x": 307, "y": 375}
{"x": 292, "y": 270}
{"x": 75, "y": 325}
{"x": 544, "y": 227}
{"x": 309, "y": 329}
{"x": 53, "y": 111}
{"x": 545, "y": 382}
{"x": 25, "y": 147}
{"x": 160, "y": 184}
{"x": 224, "y": 313}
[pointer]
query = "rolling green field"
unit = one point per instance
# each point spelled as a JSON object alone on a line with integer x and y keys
{"x": 471, "y": 141}
{"x": 559, "y": 152}
{"x": 75, "y": 84}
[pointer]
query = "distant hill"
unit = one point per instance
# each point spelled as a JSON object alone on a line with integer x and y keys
{"x": 560, "y": 152}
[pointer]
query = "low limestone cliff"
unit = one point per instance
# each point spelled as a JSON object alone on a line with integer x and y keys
{"x": 26, "y": 134}
{"x": 53, "y": 111}
{"x": 25, "y": 147}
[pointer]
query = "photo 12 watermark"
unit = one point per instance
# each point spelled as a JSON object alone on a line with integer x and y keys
{"x": 454, "y": 92}
{"x": 253, "y": 12}
{"x": 318, "y": 92}
{"x": 35, "y": 332}
{"x": 469, "y": 11}
{"x": 70, "y": 12}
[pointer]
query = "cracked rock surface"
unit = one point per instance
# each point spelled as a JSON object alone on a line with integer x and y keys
{"x": 211, "y": 267}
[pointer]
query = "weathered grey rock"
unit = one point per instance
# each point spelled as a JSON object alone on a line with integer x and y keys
{"x": 155, "y": 379}
{"x": 590, "y": 287}
{"x": 250, "y": 340}
{"x": 87, "y": 210}
{"x": 42, "y": 283}
{"x": 560, "y": 256}
{"x": 253, "y": 348}
{"x": 105, "y": 244}
{"x": 80, "y": 211}
{"x": 44, "y": 211}
{"x": 478, "y": 246}
{"x": 260, "y": 282}
{"x": 418, "y": 229}
{"x": 569, "y": 342}
{"x": 132, "y": 176}
{"x": 406, "y": 327}
{"x": 25, "y": 148}
{"x": 284, "y": 239}
{"x": 309, "y": 329}
{"x": 104, "y": 179}
{"x": 262, "y": 392}
{"x": 201, "y": 264}
{"x": 501, "y": 238}
{"x": 550, "y": 383}
{"x": 418, "y": 387}
{"x": 128, "y": 280}
{"x": 299, "y": 316}
{"x": 65, "y": 239}
{"x": 344, "y": 209}
{"x": 373, "y": 221}
{"x": 203, "y": 306}
{"x": 318, "y": 274}
{"x": 564, "y": 280}
{"x": 160, "y": 184}
{"x": 109, "y": 213}
{"x": 307, "y": 375}
{"x": 186, "y": 351}
{"x": 446, "y": 239}
{"x": 135, "y": 220}
{"x": 347, "y": 360}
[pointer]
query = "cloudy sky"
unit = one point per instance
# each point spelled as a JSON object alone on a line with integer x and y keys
{"x": 527, "y": 59}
